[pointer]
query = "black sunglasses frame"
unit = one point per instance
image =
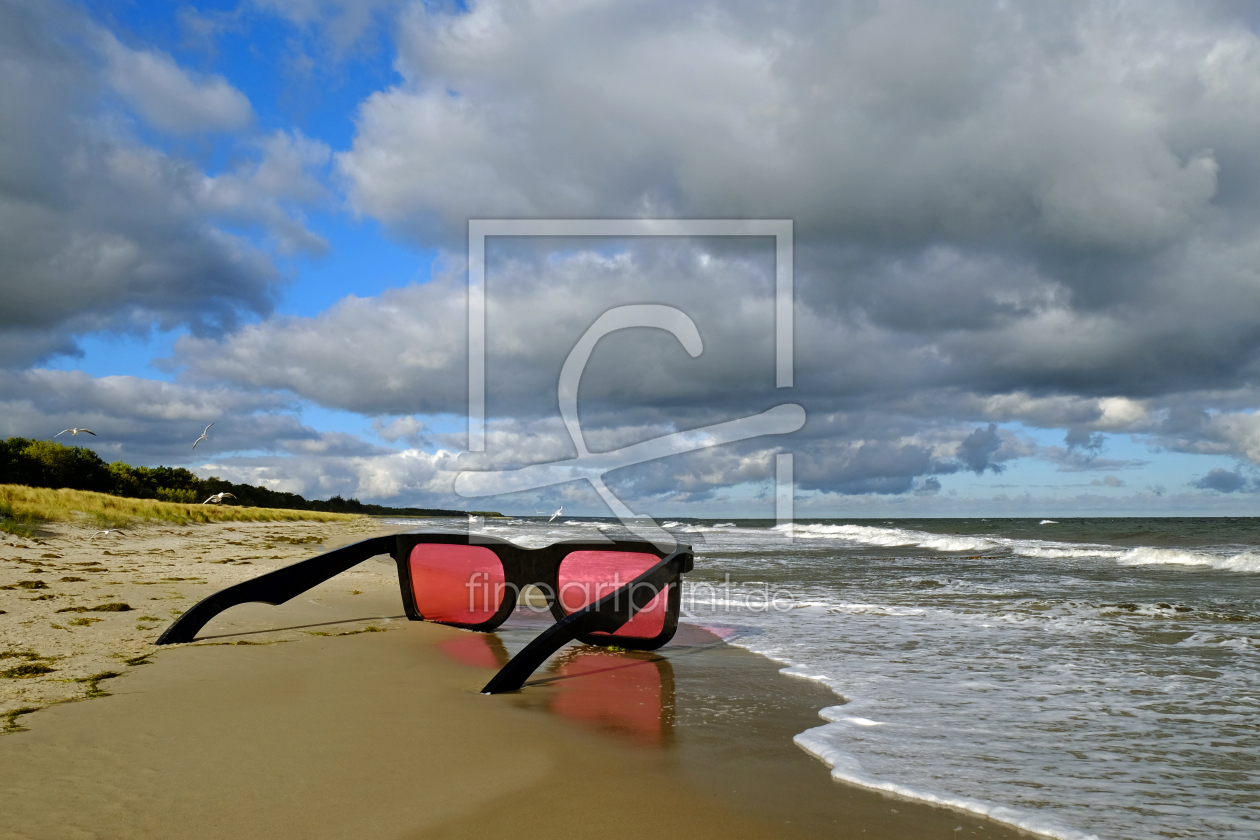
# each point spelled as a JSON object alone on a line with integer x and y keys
{"x": 539, "y": 567}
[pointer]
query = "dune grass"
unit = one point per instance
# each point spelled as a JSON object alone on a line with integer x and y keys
{"x": 23, "y": 509}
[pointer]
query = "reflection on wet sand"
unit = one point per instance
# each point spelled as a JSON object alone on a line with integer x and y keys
{"x": 628, "y": 694}
{"x": 481, "y": 650}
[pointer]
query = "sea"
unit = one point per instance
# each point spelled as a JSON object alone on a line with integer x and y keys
{"x": 1079, "y": 678}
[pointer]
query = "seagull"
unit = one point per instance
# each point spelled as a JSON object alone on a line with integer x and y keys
{"x": 106, "y": 531}
{"x": 557, "y": 513}
{"x": 217, "y": 498}
{"x": 204, "y": 436}
{"x": 75, "y": 432}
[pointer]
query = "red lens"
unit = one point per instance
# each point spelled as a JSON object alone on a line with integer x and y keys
{"x": 587, "y": 576}
{"x": 456, "y": 584}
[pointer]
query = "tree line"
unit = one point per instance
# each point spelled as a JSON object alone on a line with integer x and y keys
{"x": 44, "y": 463}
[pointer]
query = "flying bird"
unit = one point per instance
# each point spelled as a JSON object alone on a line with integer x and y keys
{"x": 75, "y": 432}
{"x": 204, "y": 436}
{"x": 106, "y": 531}
{"x": 217, "y": 498}
{"x": 557, "y": 513}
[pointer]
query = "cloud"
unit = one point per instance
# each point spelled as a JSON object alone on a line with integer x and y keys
{"x": 143, "y": 421}
{"x": 1007, "y": 219}
{"x": 1107, "y": 481}
{"x": 1045, "y": 217}
{"x": 402, "y": 428}
{"x": 1223, "y": 481}
{"x": 269, "y": 190}
{"x": 100, "y": 232}
{"x": 928, "y": 487}
{"x": 976, "y": 451}
{"x": 342, "y": 22}
{"x": 170, "y": 97}
{"x": 985, "y": 196}
{"x": 405, "y": 352}
{"x": 897, "y": 119}
{"x": 1091, "y": 443}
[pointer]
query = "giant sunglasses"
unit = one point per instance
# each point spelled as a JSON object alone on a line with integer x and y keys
{"x": 615, "y": 592}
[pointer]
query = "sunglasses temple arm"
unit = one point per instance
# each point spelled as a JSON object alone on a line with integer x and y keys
{"x": 275, "y": 587}
{"x": 606, "y": 615}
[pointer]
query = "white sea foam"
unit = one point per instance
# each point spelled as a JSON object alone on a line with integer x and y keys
{"x": 725, "y": 527}
{"x": 866, "y": 535}
{"x": 845, "y": 767}
{"x": 1048, "y": 522}
{"x": 889, "y": 537}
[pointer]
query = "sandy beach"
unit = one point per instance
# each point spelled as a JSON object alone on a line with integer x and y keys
{"x": 304, "y": 721}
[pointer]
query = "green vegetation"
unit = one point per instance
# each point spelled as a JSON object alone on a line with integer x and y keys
{"x": 26, "y": 584}
{"x": 37, "y": 505}
{"x": 11, "y": 716}
{"x": 115, "y": 607}
{"x": 42, "y": 463}
{"x": 26, "y": 670}
{"x": 21, "y": 524}
{"x": 93, "y": 683}
{"x": 369, "y": 629}
{"x": 28, "y": 655}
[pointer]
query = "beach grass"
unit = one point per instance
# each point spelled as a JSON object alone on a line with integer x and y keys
{"x": 23, "y": 509}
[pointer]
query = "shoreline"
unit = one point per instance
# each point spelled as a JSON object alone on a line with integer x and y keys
{"x": 247, "y": 720}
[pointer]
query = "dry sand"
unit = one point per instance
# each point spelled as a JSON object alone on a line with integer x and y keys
{"x": 80, "y": 603}
{"x": 264, "y": 729}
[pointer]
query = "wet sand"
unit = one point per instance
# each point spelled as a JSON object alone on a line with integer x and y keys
{"x": 255, "y": 731}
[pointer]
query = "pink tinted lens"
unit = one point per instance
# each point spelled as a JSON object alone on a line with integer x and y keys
{"x": 587, "y": 576}
{"x": 456, "y": 584}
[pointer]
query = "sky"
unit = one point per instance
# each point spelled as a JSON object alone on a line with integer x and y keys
{"x": 1025, "y": 247}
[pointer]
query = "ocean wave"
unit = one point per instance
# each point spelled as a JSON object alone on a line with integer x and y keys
{"x": 889, "y": 537}
{"x": 1246, "y": 561}
{"x": 1209, "y": 639}
{"x": 866, "y": 535}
